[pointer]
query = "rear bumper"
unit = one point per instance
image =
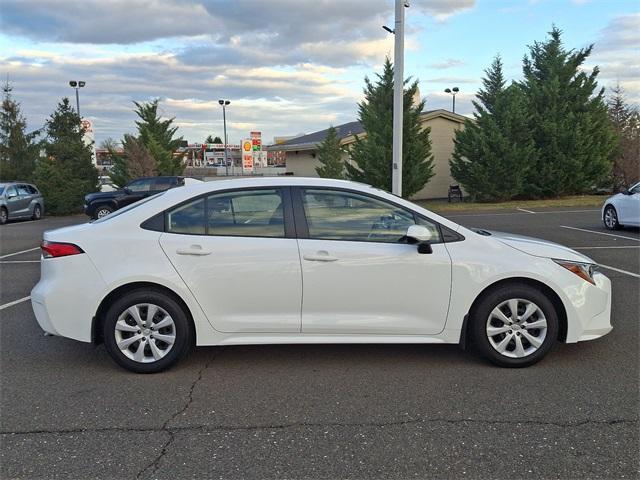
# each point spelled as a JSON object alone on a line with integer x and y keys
{"x": 63, "y": 301}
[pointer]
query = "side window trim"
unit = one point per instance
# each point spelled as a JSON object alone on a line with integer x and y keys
{"x": 302, "y": 226}
{"x": 289, "y": 227}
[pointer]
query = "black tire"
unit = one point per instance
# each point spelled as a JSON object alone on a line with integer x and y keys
{"x": 102, "y": 211}
{"x": 4, "y": 216}
{"x": 184, "y": 332}
{"x": 610, "y": 218}
{"x": 480, "y": 317}
{"x": 37, "y": 212}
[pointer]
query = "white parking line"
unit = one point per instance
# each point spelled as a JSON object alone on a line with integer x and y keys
{"x": 619, "y": 271}
{"x": 525, "y": 210}
{"x": 596, "y": 248}
{"x": 18, "y": 253}
{"x": 601, "y": 233}
{"x": 19, "y": 261}
{"x": 15, "y": 302}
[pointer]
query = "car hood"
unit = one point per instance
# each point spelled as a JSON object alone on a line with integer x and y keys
{"x": 96, "y": 195}
{"x": 537, "y": 246}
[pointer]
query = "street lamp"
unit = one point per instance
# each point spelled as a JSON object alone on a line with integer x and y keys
{"x": 77, "y": 85}
{"x": 398, "y": 89}
{"x": 453, "y": 92}
{"x": 224, "y": 104}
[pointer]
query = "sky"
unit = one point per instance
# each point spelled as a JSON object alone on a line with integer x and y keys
{"x": 287, "y": 66}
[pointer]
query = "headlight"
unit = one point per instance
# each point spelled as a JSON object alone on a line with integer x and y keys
{"x": 583, "y": 270}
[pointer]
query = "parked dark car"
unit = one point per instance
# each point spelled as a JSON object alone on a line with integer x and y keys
{"x": 99, "y": 204}
{"x": 20, "y": 200}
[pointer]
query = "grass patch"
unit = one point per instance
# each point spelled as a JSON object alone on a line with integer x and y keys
{"x": 571, "y": 201}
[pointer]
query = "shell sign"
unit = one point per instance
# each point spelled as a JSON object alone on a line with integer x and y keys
{"x": 247, "y": 155}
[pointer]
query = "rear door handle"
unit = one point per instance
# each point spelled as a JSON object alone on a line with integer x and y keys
{"x": 193, "y": 250}
{"x": 320, "y": 256}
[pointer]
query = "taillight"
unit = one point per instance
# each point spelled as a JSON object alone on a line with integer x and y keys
{"x": 59, "y": 249}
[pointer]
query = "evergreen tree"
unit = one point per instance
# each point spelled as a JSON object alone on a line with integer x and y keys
{"x": 494, "y": 151}
{"x": 567, "y": 119}
{"x": 118, "y": 173}
{"x": 18, "y": 149}
{"x": 373, "y": 154}
{"x": 157, "y": 135}
{"x": 626, "y": 125}
{"x": 329, "y": 154}
{"x": 67, "y": 174}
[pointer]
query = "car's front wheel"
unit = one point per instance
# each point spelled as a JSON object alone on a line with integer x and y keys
{"x": 610, "y": 218}
{"x": 515, "y": 325}
{"x": 147, "y": 331}
{"x": 4, "y": 216}
{"x": 102, "y": 211}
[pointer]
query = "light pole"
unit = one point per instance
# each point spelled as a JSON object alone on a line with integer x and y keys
{"x": 224, "y": 104}
{"x": 453, "y": 92}
{"x": 398, "y": 89}
{"x": 77, "y": 85}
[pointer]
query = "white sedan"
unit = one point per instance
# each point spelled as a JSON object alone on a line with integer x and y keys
{"x": 283, "y": 261}
{"x": 623, "y": 209}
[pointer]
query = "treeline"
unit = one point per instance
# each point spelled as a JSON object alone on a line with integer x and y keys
{"x": 549, "y": 135}
{"x": 59, "y": 160}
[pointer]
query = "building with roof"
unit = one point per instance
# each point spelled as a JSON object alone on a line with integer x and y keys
{"x": 302, "y": 161}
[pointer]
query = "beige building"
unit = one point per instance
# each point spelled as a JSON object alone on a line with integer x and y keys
{"x": 302, "y": 161}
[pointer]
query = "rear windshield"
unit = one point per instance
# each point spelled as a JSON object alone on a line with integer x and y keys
{"x": 126, "y": 209}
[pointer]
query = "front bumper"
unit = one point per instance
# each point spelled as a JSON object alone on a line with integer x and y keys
{"x": 590, "y": 314}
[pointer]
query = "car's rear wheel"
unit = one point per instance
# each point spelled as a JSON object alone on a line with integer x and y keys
{"x": 4, "y": 216}
{"x": 102, "y": 211}
{"x": 610, "y": 218}
{"x": 515, "y": 325}
{"x": 37, "y": 213}
{"x": 147, "y": 331}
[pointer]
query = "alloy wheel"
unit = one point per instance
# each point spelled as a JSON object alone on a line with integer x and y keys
{"x": 145, "y": 332}
{"x": 516, "y": 328}
{"x": 610, "y": 218}
{"x": 103, "y": 212}
{"x": 3, "y": 216}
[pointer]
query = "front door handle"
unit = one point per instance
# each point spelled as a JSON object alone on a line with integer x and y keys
{"x": 320, "y": 256}
{"x": 193, "y": 250}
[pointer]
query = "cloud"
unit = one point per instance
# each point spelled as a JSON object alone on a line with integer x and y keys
{"x": 616, "y": 54}
{"x": 447, "y": 63}
{"x": 441, "y": 10}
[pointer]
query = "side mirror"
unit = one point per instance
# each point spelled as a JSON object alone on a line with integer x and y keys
{"x": 11, "y": 195}
{"x": 126, "y": 190}
{"x": 417, "y": 234}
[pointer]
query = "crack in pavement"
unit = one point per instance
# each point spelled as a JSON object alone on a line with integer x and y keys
{"x": 165, "y": 426}
{"x": 282, "y": 426}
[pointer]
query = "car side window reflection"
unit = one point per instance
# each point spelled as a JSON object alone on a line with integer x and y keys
{"x": 343, "y": 215}
{"x": 187, "y": 219}
{"x": 140, "y": 185}
{"x": 250, "y": 213}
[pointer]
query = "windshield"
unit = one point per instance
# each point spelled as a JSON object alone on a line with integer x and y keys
{"x": 126, "y": 209}
{"x": 1, "y": 189}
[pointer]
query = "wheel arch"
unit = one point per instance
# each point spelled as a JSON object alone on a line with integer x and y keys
{"x": 548, "y": 291}
{"x": 98, "y": 319}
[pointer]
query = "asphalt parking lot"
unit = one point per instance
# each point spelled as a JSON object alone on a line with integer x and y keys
{"x": 324, "y": 411}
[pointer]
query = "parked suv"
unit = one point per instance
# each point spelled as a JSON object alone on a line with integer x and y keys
{"x": 97, "y": 205}
{"x": 20, "y": 200}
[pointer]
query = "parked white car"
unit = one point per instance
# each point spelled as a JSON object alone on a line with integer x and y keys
{"x": 301, "y": 260}
{"x": 623, "y": 209}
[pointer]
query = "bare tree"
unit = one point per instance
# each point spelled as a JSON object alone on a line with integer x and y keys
{"x": 139, "y": 162}
{"x": 626, "y": 123}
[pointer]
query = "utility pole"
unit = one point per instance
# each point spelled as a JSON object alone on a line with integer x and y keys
{"x": 224, "y": 104}
{"x": 77, "y": 85}
{"x": 398, "y": 89}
